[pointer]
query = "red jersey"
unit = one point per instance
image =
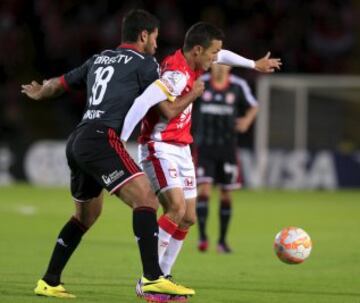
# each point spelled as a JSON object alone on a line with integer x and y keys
{"x": 178, "y": 78}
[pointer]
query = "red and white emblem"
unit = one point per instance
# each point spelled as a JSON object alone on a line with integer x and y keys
{"x": 230, "y": 98}
{"x": 189, "y": 182}
{"x": 172, "y": 173}
{"x": 207, "y": 96}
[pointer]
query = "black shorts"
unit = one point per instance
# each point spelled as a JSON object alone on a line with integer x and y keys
{"x": 97, "y": 160}
{"x": 218, "y": 165}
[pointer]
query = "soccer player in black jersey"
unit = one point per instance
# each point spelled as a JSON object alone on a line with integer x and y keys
{"x": 97, "y": 158}
{"x": 217, "y": 120}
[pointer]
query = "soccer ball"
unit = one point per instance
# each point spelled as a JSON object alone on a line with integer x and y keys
{"x": 292, "y": 245}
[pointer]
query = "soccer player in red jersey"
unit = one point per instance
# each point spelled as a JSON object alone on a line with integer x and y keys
{"x": 165, "y": 136}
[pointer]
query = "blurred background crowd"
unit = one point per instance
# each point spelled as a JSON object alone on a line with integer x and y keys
{"x": 44, "y": 38}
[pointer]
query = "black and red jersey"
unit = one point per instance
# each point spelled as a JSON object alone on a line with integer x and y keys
{"x": 113, "y": 79}
{"x": 216, "y": 110}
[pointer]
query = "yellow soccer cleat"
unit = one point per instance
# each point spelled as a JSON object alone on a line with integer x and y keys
{"x": 162, "y": 286}
{"x": 44, "y": 289}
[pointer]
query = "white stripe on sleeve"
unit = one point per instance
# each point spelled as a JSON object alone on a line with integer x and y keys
{"x": 246, "y": 89}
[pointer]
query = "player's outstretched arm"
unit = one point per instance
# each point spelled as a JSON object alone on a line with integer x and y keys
{"x": 264, "y": 64}
{"x": 267, "y": 64}
{"x": 48, "y": 89}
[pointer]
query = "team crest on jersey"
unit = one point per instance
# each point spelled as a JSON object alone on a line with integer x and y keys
{"x": 175, "y": 77}
{"x": 230, "y": 98}
{"x": 172, "y": 173}
{"x": 173, "y": 81}
{"x": 167, "y": 84}
{"x": 207, "y": 95}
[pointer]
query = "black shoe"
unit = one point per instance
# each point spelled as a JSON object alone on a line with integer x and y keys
{"x": 223, "y": 248}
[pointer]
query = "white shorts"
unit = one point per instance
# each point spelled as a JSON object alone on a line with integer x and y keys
{"x": 168, "y": 166}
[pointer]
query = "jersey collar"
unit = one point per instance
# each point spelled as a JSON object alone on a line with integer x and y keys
{"x": 222, "y": 87}
{"x": 130, "y": 46}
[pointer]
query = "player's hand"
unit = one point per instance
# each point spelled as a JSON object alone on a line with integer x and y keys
{"x": 242, "y": 125}
{"x": 198, "y": 88}
{"x": 32, "y": 90}
{"x": 267, "y": 64}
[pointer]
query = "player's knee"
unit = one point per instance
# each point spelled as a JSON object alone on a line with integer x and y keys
{"x": 151, "y": 201}
{"x": 146, "y": 200}
{"x": 86, "y": 221}
{"x": 89, "y": 218}
{"x": 188, "y": 221}
{"x": 138, "y": 193}
{"x": 204, "y": 189}
{"x": 176, "y": 211}
{"x": 225, "y": 195}
{"x": 96, "y": 214}
{"x": 88, "y": 213}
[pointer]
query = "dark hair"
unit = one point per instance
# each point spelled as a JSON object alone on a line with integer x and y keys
{"x": 202, "y": 34}
{"x": 136, "y": 21}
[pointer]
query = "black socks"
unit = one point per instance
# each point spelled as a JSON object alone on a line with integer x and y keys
{"x": 202, "y": 210}
{"x": 225, "y": 215}
{"x": 67, "y": 241}
{"x": 145, "y": 229}
{"x": 146, "y": 232}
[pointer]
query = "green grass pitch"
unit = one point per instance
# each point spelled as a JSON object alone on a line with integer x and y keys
{"x": 106, "y": 266}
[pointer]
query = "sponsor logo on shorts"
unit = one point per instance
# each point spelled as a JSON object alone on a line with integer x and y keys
{"x": 108, "y": 179}
{"x": 189, "y": 182}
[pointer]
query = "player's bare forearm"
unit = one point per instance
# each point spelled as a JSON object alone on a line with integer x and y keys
{"x": 48, "y": 89}
{"x": 171, "y": 109}
{"x": 251, "y": 113}
{"x": 243, "y": 123}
